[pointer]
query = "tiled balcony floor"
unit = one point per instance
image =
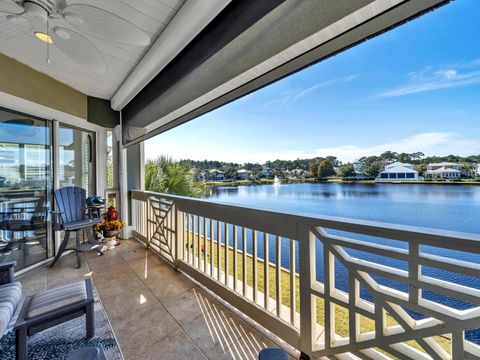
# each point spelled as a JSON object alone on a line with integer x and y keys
{"x": 155, "y": 311}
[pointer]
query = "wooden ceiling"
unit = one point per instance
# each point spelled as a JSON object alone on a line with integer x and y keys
{"x": 152, "y": 16}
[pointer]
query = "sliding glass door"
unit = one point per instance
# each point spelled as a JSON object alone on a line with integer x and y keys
{"x": 25, "y": 189}
{"x": 26, "y": 181}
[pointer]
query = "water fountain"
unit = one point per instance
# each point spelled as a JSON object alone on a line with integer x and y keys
{"x": 276, "y": 181}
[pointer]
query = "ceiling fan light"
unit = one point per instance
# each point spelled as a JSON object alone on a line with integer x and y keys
{"x": 44, "y": 37}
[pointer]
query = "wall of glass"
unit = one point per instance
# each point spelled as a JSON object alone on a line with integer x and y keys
{"x": 25, "y": 189}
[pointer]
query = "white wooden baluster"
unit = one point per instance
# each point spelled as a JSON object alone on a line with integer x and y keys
{"x": 353, "y": 296}
{"x": 266, "y": 273}
{"x": 211, "y": 248}
{"x": 308, "y": 313}
{"x": 329, "y": 306}
{"x": 278, "y": 275}
{"x": 413, "y": 271}
{"x": 218, "y": 252}
{"x": 244, "y": 261}
{"x": 235, "y": 243}
{"x": 204, "y": 253}
{"x": 194, "y": 238}
{"x": 226, "y": 248}
{"x": 179, "y": 235}
{"x": 255, "y": 270}
{"x": 293, "y": 300}
{"x": 146, "y": 211}
{"x": 188, "y": 236}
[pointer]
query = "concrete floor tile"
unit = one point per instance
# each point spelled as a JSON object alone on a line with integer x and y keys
{"x": 175, "y": 346}
{"x": 189, "y": 305}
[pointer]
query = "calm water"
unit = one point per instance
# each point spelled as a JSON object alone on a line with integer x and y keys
{"x": 436, "y": 206}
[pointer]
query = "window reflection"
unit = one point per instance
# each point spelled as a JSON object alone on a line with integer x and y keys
{"x": 25, "y": 185}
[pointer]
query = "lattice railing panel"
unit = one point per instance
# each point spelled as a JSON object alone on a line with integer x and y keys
{"x": 398, "y": 321}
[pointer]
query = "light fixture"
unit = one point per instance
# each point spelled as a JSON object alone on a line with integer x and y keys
{"x": 44, "y": 37}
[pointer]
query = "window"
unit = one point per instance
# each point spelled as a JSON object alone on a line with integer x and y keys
{"x": 77, "y": 163}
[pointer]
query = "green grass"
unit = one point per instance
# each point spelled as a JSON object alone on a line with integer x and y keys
{"x": 341, "y": 313}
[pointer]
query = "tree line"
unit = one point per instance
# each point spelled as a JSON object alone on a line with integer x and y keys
{"x": 323, "y": 167}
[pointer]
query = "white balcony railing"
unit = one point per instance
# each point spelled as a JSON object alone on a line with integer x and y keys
{"x": 327, "y": 286}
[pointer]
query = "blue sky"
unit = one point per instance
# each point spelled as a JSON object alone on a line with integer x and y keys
{"x": 415, "y": 88}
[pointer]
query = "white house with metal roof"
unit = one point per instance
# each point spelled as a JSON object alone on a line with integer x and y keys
{"x": 444, "y": 170}
{"x": 398, "y": 171}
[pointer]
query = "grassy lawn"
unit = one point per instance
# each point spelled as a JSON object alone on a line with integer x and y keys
{"x": 341, "y": 313}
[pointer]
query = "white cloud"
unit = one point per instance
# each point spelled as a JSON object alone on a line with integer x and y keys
{"x": 430, "y": 143}
{"x": 292, "y": 96}
{"x": 430, "y": 79}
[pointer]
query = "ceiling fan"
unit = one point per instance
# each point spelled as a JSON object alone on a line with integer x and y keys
{"x": 46, "y": 20}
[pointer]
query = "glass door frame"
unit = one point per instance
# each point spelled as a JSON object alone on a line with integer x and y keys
{"x": 99, "y": 153}
{"x": 51, "y": 249}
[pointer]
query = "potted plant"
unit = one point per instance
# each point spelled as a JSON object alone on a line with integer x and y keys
{"x": 110, "y": 231}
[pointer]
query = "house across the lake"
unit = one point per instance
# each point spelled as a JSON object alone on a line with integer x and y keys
{"x": 217, "y": 175}
{"x": 444, "y": 170}
{"x": 244, "y": 174}
{"x": 398, "y": 171}
{"x": 266, "y": 171}
{"x": 358, "y": 167}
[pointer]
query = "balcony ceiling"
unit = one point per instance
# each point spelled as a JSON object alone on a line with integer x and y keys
{"x": 120, "y": 59}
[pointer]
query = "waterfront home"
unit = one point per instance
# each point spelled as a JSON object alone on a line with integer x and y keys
{"x": 217, "y": 175}
{"x": 174, "y": 290}
{"x": 266, "y": 171}
{"x": 398, "y": 171}
{"x": 244, "y": 174}
{"x": 299, "y": 173}
{"x": 358, "y": 167}
{"x": 477, "y": 170}
{"x": 444, "y": 170}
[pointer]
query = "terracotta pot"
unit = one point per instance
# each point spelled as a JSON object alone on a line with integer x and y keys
{"x": 109, "y": 234}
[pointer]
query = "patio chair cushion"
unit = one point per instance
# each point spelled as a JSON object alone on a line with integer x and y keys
{"x": 10, "y": 295}
{"x": 57, "y": 298}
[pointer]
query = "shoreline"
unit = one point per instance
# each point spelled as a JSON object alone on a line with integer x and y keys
{"x": 338, "y": 181}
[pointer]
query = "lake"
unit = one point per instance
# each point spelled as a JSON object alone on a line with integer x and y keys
{"x": 450, "y": 207}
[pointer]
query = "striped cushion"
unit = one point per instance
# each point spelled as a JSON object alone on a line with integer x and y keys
{"x": 10, "y": 295}
{"x": 57, "y": 298}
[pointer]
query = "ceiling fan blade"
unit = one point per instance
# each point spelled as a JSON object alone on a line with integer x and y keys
{"x": 78, "y": 48}
{"x": 12, "y": 26}
{"x": 94, "y": 21}
{"x": 11, "y": 7}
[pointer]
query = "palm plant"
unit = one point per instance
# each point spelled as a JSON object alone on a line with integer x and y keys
{"x": 170, "y": 177}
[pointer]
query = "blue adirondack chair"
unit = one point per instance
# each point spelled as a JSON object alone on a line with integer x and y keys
{"x": 72, "y": 216}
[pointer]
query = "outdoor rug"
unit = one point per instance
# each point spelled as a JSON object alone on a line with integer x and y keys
{"x": 59, "y": 341}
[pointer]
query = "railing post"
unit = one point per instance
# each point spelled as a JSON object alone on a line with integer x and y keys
{"x": 308, "y": 313}
{"x": 179, "y": 235}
